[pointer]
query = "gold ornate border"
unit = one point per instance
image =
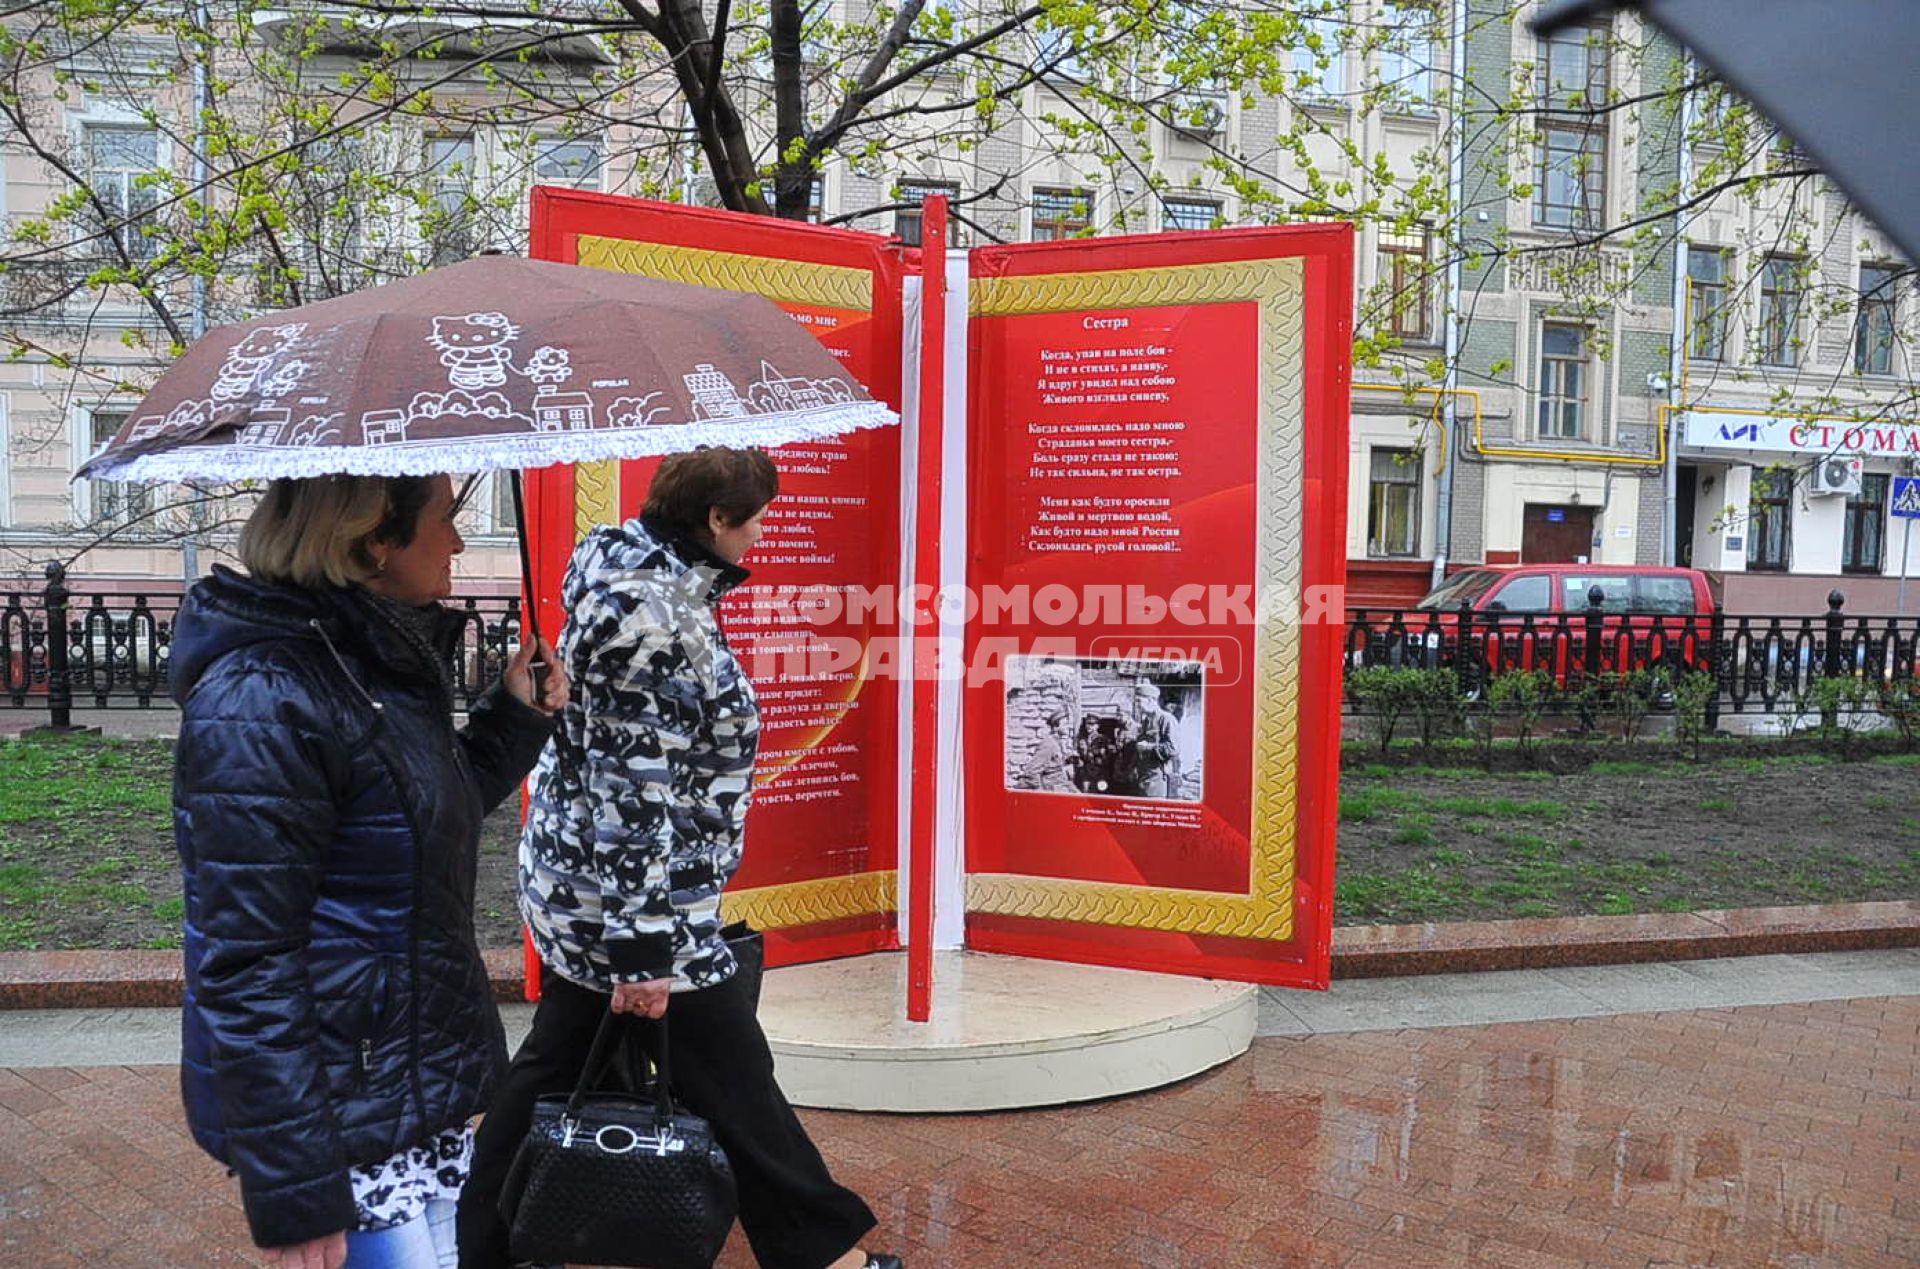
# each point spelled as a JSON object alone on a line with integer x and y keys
{"x": 597, "y": 501}
{"x": 807, "y": 902}
{"x": 785, "y": 281}
{"x": 1265, "y": 910}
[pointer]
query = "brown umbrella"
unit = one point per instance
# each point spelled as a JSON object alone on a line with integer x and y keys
{"x": 494, "y": 363}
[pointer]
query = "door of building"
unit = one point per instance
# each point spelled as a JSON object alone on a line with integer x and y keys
{"x": 1556, "y": 535}
{"x": 1683, "y": 508}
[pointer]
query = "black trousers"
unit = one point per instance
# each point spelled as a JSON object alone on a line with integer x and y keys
{"x": 794, "y": 1213}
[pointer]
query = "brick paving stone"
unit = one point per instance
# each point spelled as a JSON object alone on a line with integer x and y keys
{"x": 1781, "y": 1135}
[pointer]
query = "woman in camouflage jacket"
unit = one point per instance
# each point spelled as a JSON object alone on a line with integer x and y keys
{"x": 638, "y": 816}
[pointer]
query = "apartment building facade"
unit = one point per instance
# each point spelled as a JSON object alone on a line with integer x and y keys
{"x": 1560, "y": 365}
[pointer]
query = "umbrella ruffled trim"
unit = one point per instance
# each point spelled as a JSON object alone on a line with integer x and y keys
{"x": 226, "y": 463}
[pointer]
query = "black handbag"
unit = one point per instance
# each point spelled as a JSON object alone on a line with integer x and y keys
{"x": 615, "y": 1179}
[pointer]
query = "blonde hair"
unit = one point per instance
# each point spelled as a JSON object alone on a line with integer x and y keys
{"x": 315, "y": 532}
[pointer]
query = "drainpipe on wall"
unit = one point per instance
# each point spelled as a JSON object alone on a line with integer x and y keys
{"x": 1456, "y": 194}
{"x": 1677, "y": 351}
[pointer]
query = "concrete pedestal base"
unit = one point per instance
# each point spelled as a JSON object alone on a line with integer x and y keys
{"x": 1007, "y": 1032}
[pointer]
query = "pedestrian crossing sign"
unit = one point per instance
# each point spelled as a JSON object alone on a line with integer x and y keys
{"x": 1906, "y": 497}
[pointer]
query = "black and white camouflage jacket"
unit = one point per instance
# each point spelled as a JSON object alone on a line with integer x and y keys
{"x": 640, "y": 800}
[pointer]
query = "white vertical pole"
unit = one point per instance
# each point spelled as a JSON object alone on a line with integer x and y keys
{"x": 1906, "y": 553}
{"x": 950, "y": 839}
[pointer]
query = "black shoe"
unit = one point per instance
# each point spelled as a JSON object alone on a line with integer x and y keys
{"x": 879, "y": 1260}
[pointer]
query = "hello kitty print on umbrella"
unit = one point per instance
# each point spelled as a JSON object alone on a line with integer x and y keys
{"x": 494, "y": 363}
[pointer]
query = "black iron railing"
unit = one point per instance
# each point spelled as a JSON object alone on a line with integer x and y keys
{"x": 1757, "y": 663}
{"x": 118, "y": 648}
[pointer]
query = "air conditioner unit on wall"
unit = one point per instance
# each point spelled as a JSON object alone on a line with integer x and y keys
{"x": 1834, "y": 476}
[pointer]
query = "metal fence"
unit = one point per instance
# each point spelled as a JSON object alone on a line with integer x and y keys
{"x": 117, "y": 648}
{"x": 1762, "y": 664}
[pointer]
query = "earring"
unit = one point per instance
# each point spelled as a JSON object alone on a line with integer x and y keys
{"x": 380, "y": 565}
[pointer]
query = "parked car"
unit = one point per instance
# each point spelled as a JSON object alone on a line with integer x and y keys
{"x": 1533, "y": 616}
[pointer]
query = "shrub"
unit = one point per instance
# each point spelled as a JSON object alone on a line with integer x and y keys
{"x": 1386, "y": 695}
{"x": 1437, "y": 705}
{"x": 1525, "y": 694}
{"x": 1843, "y": 703}
{"x": 1693, "y": 697}
{"x": 1380, "y": 694}
{"x": 1900, "y": 702}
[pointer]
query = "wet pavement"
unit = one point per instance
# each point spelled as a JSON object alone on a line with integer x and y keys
{"x": 1783, "y": 1133}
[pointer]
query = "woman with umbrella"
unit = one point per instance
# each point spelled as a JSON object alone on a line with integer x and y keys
{"x": 340, "y": 1030}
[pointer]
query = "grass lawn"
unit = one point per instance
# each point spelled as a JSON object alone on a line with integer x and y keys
{"x": 1440, "y": 844}
{"x": 86, "y": 841}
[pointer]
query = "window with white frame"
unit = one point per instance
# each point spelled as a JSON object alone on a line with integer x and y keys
{"x": 907, "y": 218}
{"x": 576, "y": 164}
{"x": 1406, "y": 59}
{"x": 1189, "y": 213}
{"x": 122, "y": 166}
{"x": 1393, "y": 502}
{"x": 451, "y": 224}
{"x": 1707, "y": 301}
{"x": 1874, "y": 322}
{"x": 1565, "y": 381}
{"x": 1780, "y": 290}
{"x": 1319, "y": 55}
{"x": 1571, "y": 184}
{"x": 1406, "y": 272}
{"x": 1061, "y": 213}
{"x": 113, "y": 502}
{"x": 816, "y": 200}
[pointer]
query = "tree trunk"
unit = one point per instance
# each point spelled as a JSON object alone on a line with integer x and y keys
{"x": 793, "y": 181}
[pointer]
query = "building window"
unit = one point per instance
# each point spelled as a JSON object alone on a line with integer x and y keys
{"x": 1873, "y": 325}
{"x": 114, "y": 502}
{"x": 1189, "y": 213}
{"x": 450, "y": 226}
{"x": 1393, "y": 503}
{"x": 1770, "y": 522}
{"x": 1863, "y": 541}
{"x": 1319, "y": 59}
{"x": 1406, "y": 59}
{"x": 575, "y": 164}
{"x": 1573, "y": 177}
{"x": 1571, "y": 192}
{"x": 1707, "y": 297}
{"x": 906, "y": 220}
{"x": 1405, "y": 271}
{"x": 1563, "y": 381}
{"x": 817, "y": 200}
{"x": 122, "y": 164}
{"x": 1061, "y": 213}
{"x": 1780, "y": 312}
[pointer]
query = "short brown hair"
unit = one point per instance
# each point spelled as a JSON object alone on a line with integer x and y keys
{"x": 315, "y": 532}
{"x": 687, "y": 486}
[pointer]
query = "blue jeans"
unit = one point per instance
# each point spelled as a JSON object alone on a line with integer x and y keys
{"x": 425, "y": 1243}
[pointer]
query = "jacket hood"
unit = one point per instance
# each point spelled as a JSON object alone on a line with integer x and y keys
{"x": 644, "y": 545}
{"x": 226, "y": 611}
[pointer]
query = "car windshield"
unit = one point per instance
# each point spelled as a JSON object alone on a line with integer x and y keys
{"x": 1461, "y": 588}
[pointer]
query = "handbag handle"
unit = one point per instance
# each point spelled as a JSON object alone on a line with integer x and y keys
{"x": 654, "y": 1049}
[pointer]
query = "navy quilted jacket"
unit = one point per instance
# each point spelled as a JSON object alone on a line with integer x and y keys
{"x": 327, "y": 817}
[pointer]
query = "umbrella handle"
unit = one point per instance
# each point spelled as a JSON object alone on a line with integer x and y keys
{"x": 530, "y": 617}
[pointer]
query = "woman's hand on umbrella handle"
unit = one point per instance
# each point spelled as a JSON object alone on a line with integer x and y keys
{"x": 545, "y": 686}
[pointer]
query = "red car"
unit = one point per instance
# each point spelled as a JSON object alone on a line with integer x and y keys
{"x": 1530, "y": 616}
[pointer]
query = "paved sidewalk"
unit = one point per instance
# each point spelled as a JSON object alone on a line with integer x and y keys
{"x": 1776, "y": 1133}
